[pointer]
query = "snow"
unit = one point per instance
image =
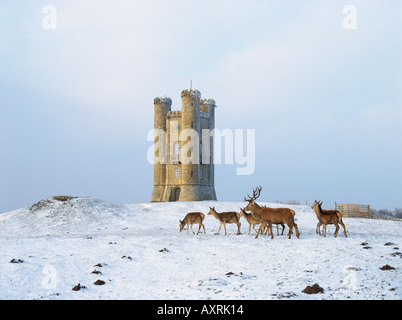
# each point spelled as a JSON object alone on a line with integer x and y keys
{"x": 144, "y": 256}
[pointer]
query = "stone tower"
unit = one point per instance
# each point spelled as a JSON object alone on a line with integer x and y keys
{"x": 177, "y": 179}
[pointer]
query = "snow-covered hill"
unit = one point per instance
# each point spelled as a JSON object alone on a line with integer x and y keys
{"x": 137, "y": 250}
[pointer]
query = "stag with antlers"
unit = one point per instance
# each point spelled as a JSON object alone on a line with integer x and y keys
{"x": 270, "y": 215}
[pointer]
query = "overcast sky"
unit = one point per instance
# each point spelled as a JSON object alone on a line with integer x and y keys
{"x": 76, "y": 102}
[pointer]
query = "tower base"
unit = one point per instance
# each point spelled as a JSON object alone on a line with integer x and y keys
{"x": 183, "y": 193}
{"x": 157, "y": 193}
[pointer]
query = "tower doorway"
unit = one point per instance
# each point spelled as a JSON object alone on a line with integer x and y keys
{"x": 176, "y": 194}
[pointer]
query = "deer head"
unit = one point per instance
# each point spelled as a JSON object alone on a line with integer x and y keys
{"x": 251, "y": 200}
{"x": 316, "y": 204}
{"x": 182, "y": 224}
{"x": 211, "y": 210}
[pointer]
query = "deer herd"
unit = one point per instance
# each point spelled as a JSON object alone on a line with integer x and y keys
{"x": 265, "y": 217}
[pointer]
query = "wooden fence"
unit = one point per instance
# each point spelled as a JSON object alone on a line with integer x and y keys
{"x": 353, "y": 210}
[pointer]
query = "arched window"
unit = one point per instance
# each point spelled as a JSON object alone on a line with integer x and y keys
{"x": 177, "y": 173}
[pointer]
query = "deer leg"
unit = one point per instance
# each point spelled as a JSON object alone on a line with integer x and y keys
{"x": 270, "y": 230}
{"x": 191, "y": 226}
{"x": 238, "y": 228}
{"x": 290, "y": 231}
{"x": 267, "y": 227}
{"x": 297, "y": 230}
{"x": 220, "y": 228}
{"x": 283, "y": 228}
{"x": 336, "y": 229}
{"x": 203, "y": 227}
{"x": 325, "y": 230}
{"x": 343, "y": 226}
{"x": 249, "y": 228}
{"x": 260, "y": 229}
{"x": 199, "y": 227}
{"x": 255, "y": 228}
{"x": 317, "y": 229}
{"x": 224, "y": 225}
{"x": 188, "y": 227}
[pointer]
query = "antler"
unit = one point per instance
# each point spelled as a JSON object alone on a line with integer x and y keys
{"x": 256, "y": 194}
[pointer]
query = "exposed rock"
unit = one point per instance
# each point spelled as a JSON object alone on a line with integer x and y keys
{"x": 78, "y": 287}
{"x": 387, "y": 267}
{"x": 16, "y": 261}
{"x": 315, "y": 288}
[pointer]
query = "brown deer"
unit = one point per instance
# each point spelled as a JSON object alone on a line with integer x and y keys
{"x": 190, "y": 219}
{"x": 270, "y": 215}
{"x": 252, "y": 222}
{"x": 277, "y": 227}
{"x": 226, "y": 217}
{"x": 326, "y": 217}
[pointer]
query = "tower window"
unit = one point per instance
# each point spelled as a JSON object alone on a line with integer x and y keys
{"x": 192, "y": 173}
{"x": 177, "y": 173}
{"x": 192, "y": 124}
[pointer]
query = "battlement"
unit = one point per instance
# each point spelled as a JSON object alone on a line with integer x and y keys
{"x": 191, "y": 93}
{"x": 162, "y": 100}
{"x": 208, "y": 101}
{"x": 174, "y": 114}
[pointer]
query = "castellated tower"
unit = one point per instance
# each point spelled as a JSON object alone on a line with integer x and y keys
{"x": 179, "y": 179}
{"x": 161, "y": 107}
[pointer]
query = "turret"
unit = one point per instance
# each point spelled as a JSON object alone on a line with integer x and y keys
{"x": 190, "y": 120}
{"x": 209, "y": 106}
{"x": 161, "y": 107}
